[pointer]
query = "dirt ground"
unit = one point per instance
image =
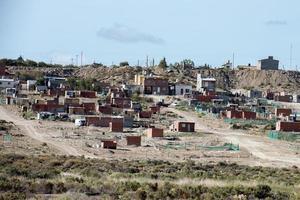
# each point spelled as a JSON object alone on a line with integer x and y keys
{"x": 64, "y": 138}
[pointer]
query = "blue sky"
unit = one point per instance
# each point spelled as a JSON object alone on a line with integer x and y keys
{"x": 206, "y": 31}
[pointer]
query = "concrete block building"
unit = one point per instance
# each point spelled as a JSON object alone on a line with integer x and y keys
{"x": 206, "y": 84}
{"x": 268, "y": 64}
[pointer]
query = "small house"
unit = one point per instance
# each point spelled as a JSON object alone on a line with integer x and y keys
{"x": 184, "y": 126}
{"x": 116, "y": 126}
{"x": 134, "y": 140}
{"x": 155, "y": 132}
{"x": 109, "y": 144}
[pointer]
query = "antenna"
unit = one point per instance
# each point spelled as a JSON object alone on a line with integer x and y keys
{"x": 153, "y": 62}
{"x": 138, "y": 63}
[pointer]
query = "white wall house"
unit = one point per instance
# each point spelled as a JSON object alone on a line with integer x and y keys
{"x": 182, "y": 89}
{"x": 205, "y": 84}
{"x": 8, "y": 83}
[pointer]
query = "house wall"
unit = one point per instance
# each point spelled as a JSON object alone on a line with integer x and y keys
{"x": 234, "y": 114}
{"x": 206, "y": 99}
{"x": 296, "y": 98}
{"x": 88, "y": 94}
{"x": 181, "y": 89}
{"x": 285, "y": 112}
{"x": 105, "y": 109}
{"x": 89, "y": 108}
{"x": 145, "y": 114}
{"x": 153, "y": 85}
{"x": 105, "y": 120}
{"x": 92, "y": 120}
{"x": 288, "y": 126}
{"x": 184, "y": 126}
{"x": 76, "y": 111}
{"x": 286, "y": 98}
{"x": 268, "y": 64}
{"x": 249, "y": 115}
{"x": 155, "y": 132}
{"x": 109, "y": 144}
{"x": 134, "y": 140}
{"x": 7, "y": 83}
{"x": 116, "y": 126}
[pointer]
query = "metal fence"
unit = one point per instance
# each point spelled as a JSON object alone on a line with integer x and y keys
{"x": 252, "y": 122}
{"x": 287, "y": 136}
{"x": 225, "y": 147}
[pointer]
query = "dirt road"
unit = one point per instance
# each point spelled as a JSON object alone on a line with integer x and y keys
{"x": 276, "y": 152}
{"x": 28, "y": 126}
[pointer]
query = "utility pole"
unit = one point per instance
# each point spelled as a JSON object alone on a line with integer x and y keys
{"x": 81, "y": 55}
{"x": 291, "y": 56}
{"x": 147, "y": 61}
{"x": 77, "y": 59}
{"x": 233, "y": 61}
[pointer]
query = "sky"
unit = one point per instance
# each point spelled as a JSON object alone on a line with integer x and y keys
{"x": 112, "y": 31}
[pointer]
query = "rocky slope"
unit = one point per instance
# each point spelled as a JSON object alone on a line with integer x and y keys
{"x": 226, "y": 79}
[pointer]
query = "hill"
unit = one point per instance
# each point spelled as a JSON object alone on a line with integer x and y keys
{"x": 280, "y": 80}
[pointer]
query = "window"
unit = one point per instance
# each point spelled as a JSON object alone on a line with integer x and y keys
{"x": 182, "y": 125}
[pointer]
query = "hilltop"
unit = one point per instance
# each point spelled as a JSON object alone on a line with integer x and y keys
{"x": 280, "y": 80}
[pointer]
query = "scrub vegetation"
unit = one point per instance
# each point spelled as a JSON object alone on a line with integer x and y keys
{"x": 65, "y": 177}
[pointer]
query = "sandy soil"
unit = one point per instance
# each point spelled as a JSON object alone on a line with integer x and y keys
{"x": 65, "y": 138}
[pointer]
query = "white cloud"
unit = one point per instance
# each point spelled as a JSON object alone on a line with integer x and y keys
{"x": 276, "y": 23}
{"x": 125, "y": 34}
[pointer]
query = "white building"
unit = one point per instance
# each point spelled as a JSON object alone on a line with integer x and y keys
{"x": 296, "y": 98}
{"x": 206, "y": 84}
{"x": 8, "y": 83}
{"x": 182, "y": 89}
{"x": 30, "y": 84}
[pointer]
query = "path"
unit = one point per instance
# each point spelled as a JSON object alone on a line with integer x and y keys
{"x": 260, "y": 147}
{"x": 28, "y": 126}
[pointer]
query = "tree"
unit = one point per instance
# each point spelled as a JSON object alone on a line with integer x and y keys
{"x": 163, "y": 64}
{"x": 187, "y": 64}
{"x": 40, "y": 81}
{"x": 30, "y": 63}
{"x": 20, "y": 61}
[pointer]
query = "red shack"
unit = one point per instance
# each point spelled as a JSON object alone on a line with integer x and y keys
{"x": 116, "y": 126}
{"x": 109, "y": 144}
{"x": 249, "y": 115}
{"x": 134, "y": 140}
{"x": 184, "y": 126}
{"x": 155, "y": 132}
{"x": 284, "y": 112}
{"x": 288, "y": 126}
